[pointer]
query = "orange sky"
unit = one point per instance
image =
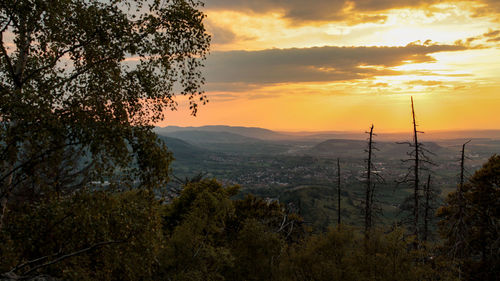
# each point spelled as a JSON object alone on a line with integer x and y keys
{"x": 344, "y": 64}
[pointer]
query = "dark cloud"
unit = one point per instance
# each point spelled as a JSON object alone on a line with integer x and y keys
{"x": 319, "y": 10}
{"x": 318, "y": 64}
{"x": 496, "y": 39}
{"x": 488, "y": 7}
{"x": 492, "y": 33}
{"x": 352, "y": 11}
{"x": 230, "y": 87}
{"x": 223, "y": 35}
{"x": 492, "y": 36}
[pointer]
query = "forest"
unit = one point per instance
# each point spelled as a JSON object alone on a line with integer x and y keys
{"x": 87, "y": 191}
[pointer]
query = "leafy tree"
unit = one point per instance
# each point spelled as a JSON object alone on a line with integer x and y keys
{"x": 257, "y": 251}
{"x": 345, "y": 254}
{"x": 274, "y": 215}
{"x": 325, "y": 256}
{"x": 82, "y": 82}
{"x": 479, "y": 203}
{"x": 194, "y": 226}
{"x": 258, "y": 235}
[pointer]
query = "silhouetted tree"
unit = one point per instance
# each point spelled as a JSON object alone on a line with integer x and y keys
{"x": 369, "y": 204}
{"x": 75, "y": 113}
{"x": 67, "y": 86}
{"x": 418, "y": 159}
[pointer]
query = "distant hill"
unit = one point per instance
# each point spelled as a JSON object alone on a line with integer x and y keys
{"x": 203, "y": 137}
{"x": 339, "y": 148}
{"x": 356, "y": 149}
{"x": 225, "y": 142}
{"x": 250, "y": 132}
{"x": 270, "y": 135}
{"x": 182, "y": 150}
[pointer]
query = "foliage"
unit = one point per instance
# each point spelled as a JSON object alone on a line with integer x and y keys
{"x": 194, "y": 224}
{"x": 212, "y": 237}
{"x": 82, "y": 82}
{"x": 258, "y": 236}
{"x": 129, "y": 224}
{"x": 344, "y": 254}
{"x": 203, "y": 234}
{"x": 477, "y": 248}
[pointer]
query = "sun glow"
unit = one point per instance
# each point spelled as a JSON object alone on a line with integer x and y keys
{"x": 449, "y": 86}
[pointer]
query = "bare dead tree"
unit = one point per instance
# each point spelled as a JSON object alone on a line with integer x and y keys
{"x": 459, "y": 228}
{"x": 371, "y": 179}
{"x": 416, "y": 170}
{"x": 418, "y": 159}
{"x": 368, "y": 193}
{"x": 462, "y": 168}
{"x": 368, "y": 182}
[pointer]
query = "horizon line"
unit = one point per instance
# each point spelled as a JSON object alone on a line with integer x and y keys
{"x": 336, "y": 131}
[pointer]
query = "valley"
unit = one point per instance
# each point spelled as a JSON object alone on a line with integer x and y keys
{"x": 299, "y": 170}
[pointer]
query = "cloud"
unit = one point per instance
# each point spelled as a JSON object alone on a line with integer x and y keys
{"x": 317, "y": 64}
{"x": 320, "y": 10}
{"x": 230, "y": 87}
{"x": 428, "y": 83}
{"x": 492, "y": 36}
{"x": 220, "y": 35}
{"x": 349, "y": 11}
{"x": 488, "y": 7}
{"x": 492, "y": 33}
{"x": 223, "y": 35}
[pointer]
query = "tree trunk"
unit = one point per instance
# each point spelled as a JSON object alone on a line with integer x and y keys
{"x": 416, "y": 179}
{"x": 368, "y": 195}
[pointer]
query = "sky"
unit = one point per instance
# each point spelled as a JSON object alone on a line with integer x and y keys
{"x": 341, "y": 65}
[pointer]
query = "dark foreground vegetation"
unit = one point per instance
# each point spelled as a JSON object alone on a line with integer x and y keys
{"x": 204, "y": 234}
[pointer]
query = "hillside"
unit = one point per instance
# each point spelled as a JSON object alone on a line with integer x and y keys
{"x": 345, "y": 148}
{"x": 249, "y": 132}
{"x": 183, "y": 150}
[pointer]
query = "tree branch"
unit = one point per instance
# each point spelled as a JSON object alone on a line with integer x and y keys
{"x": 67, "y": 256}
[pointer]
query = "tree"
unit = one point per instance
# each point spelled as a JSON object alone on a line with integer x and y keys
{"x": 459, "y": 228}
{"x": 475, "y": 206}
{"x": 418, "y": 157}
{"x": 211, "y": 237}
{"x": 368, "y": 191}
{"x": 339, "y": 255}
{"x": 195, "y": 231}
{"x": 88, "y": 79}
{"x": 369, "y": 207}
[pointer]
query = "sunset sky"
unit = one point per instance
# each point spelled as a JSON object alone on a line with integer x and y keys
{"x": 341, "y": 65}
